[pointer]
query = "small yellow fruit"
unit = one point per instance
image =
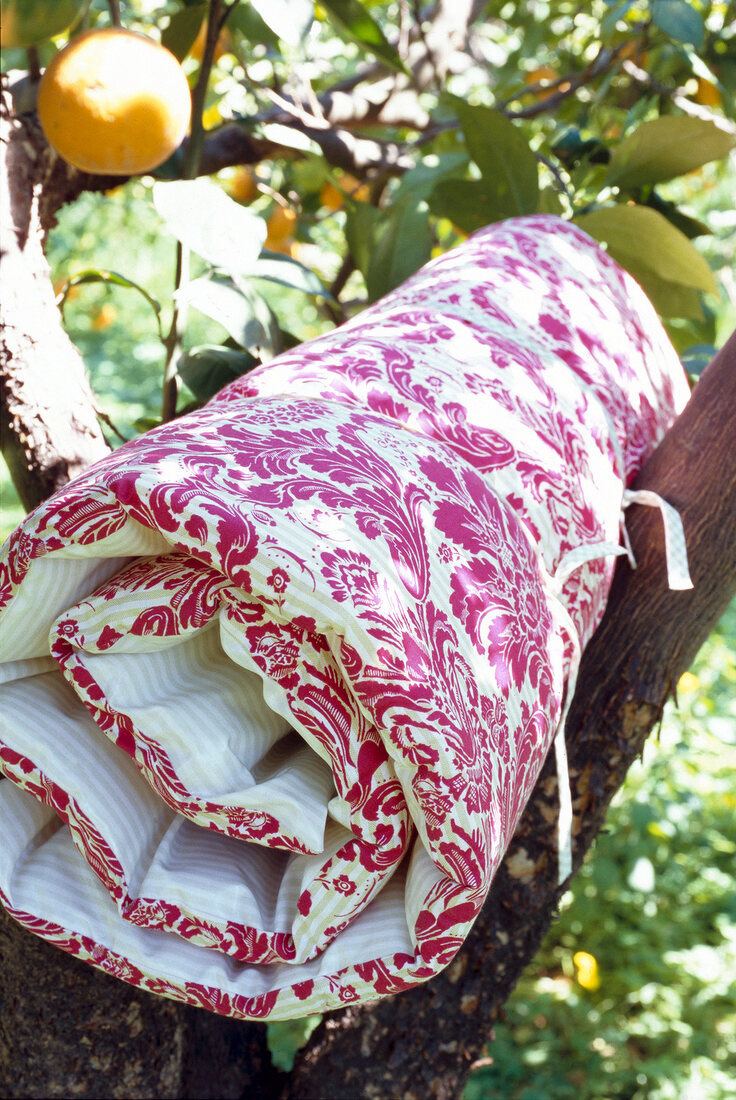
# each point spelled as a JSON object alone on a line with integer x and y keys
{"x": 587, "y": 972}
{"x": 105, "y": 317}
{"x": 333, "y": 197}
{"x": 223, "y": 45}
{"x": 708, "y": 94}
{"x": 281, "y": 224}
{"x": 545, "y": 74}
{"x": 114, "y": 102}
{"x": 242, "y": 185}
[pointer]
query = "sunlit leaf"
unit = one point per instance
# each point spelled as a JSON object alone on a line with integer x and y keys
{"x": 507, "y": 164}
{"x": 290, "y": 138}
{"x": 286, "y": 1037}
{"x": 658, "y": 255}
{"x": 421, "y": 180}
{"x": 112, "y": 278}
{"x": 355, "y": 21}
{"x": 667, "y": 147}
{"x": 691, "y": 227}
{"x": 289, "y": 19}
{"x": 205, "y": 219}
{"x": 287, "y": 271}
{"x": 240, "y": 310}
{"x": 363, "y": 227}
{"x": 679, "y": 20}
{"x": 468, "y": 204}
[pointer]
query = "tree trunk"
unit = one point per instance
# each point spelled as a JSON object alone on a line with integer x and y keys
{"x": 49, "y": 430}
{"x": 69, "y": 1030}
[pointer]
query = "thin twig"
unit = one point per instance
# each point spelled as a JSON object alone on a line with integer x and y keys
{"x": 114, "y": 6}
{"x": 106, "y": 420}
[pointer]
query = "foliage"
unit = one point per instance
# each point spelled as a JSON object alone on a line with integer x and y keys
{"x": 601, "y": 115}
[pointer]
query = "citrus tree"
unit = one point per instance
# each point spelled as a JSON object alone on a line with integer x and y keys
{"x": 326, "y": 152}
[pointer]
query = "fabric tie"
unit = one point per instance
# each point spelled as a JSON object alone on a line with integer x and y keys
{"x": 678, "y": 579}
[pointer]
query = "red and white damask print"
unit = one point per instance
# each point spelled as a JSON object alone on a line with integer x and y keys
{"x": 278, "y": 678}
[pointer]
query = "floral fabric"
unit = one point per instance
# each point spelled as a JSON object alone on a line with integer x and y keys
{"x": 279, "y": 677}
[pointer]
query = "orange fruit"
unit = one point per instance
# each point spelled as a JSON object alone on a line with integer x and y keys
{"x": 545, "y": 74}
{"x": 281, "y": 226}
{"x": 223, "y": 45}
{"x": 333, "y": 196}
{"x": 105, "y": 317}
{"x": 114, "y": 102}
{"x": 707, "y": 94}
{"x": 242, "y": 185}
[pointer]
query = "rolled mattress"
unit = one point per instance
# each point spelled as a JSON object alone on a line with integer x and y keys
{"x": 278, "y": 677}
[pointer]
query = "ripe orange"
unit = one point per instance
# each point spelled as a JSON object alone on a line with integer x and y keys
{"x": 545, "y": 74}
{"x": 114, "y": 102}
{"x": 281, "y": 226}
{"x": 28, "y": 22}
{"x": 707, "y": 94}
{"x": 282, "y": 223}
{"x": 333, "y": 197}
{"x": 242, "y": 185}
{"x": 106, "y": 317}
{"x": 224, "y": 43}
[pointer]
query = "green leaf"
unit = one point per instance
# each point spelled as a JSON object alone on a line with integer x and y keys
{"x": 183, "y": 29}
{"x": 246, "y": 20}
{"x": 288, "y": 272}
{"x": 550, "y": 202}
{"x": 289, "y": 19}
{"x": 286, "y": 1037}
{"x": 680, "y": 21}
{"x": 696, "y": 358}
{"x": 352, "y": 18}
{"x": 200, "y": 215}
{"x": 208, "y": 368}
{"x": 610, "y": 21}
{"x": 421, "y": 180}
{"x": 507, "y": 164}
{"x": 691, "y": 227}
{"x": 468, "y": 204}
{"x": 403, "y": 246}
{"x": 145, "y": 423}
{"x": 660, "y": 257}
{"x": 241, "y": 311}
{"x": 667, "y": 147}
{"x": 363, "y": 227}
{"x": 112, "y": 278}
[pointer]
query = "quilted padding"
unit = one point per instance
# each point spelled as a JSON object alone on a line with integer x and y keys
{"x": 279, "y": 677}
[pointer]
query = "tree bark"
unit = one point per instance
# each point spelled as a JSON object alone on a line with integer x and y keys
{"x": 69, "y": 1030}
{"x": 49, "y": 430}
